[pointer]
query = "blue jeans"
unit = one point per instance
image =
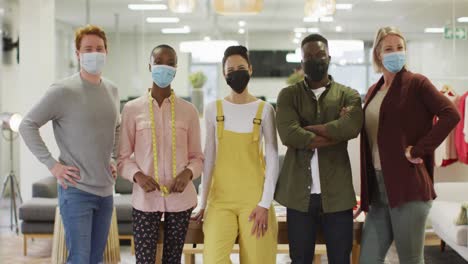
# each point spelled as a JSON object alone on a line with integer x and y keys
{"x": 86, "y": 218}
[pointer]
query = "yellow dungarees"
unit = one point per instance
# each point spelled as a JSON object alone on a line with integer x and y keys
{"x": 236, "y": 189}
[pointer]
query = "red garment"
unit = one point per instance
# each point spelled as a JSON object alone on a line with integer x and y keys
{"x": 462, "y": 145}
{"x": 445, "y": 163}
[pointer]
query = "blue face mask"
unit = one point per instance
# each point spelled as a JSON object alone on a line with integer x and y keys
{"x": 394, "y": 61}
{"x": 162, "y": 75}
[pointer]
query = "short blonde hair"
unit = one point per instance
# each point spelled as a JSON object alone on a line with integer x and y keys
{"x": 381, "y": 34}
{"x": 89, "y": 30}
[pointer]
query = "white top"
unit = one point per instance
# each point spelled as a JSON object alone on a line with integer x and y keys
{"x": 372, "y": 126}
{"x": 237, "y": 120}
{"x": 314, "y": 165}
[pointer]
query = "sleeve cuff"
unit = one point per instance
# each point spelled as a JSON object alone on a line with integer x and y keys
{"x": 332, "y": 130}
{"x": 416, "y": 152}
{"x": 310, "y": 140}
{"x": 50, "y": 163}
{"x": 264, "y": 204}
{"x": 194, "y": 171}
{"x": 202, "y": 205}
{"x": 130, "y": 174}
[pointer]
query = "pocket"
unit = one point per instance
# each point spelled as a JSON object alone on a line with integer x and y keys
{"x": 423, "y": 174}
{"x": 142, "y": 125}
{"x": 62, "y": 197}
{"x": 143, "y": 133}
{"x": 62, "y": 200}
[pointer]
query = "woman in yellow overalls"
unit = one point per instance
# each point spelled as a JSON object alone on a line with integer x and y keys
{"x": 237, "y": 185}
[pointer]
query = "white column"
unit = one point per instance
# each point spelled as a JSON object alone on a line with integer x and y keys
{"x": 36, "y": 74}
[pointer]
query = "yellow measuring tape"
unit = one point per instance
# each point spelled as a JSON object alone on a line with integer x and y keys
{"x": 164, "y": 190}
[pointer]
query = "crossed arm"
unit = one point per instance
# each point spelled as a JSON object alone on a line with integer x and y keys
{"x": 346, "y": 127}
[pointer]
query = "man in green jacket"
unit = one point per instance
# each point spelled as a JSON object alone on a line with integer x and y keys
{"x": 316, "y": 118}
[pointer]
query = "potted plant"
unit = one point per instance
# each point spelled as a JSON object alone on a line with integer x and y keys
{"x": 295, "y": 77}
{"x": 197, "y": 80}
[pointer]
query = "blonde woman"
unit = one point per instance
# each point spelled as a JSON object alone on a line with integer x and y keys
{"x": 397, "y": 152}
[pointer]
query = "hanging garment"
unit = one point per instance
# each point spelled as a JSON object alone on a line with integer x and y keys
{"x": 460, "y": 139}
{"x": 446, "y": 153}
{"x": 465, "y": 118}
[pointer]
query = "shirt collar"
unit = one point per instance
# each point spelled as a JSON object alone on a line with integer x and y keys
{"x": 167, "y": 100}
{"x": 326, "y": 86}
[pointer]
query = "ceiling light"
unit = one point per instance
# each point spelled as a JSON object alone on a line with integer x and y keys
{"x": 434, "y": 30}
{"x": 311, "y": 19}
{"x": 344, "y": 6}
{"x": 338, "y": 28}
{"x": 462, "y": 19}
{"x": 238, "y": 7}
{"x": 162, "y": 19}
{"x": 242, "y": 23}
{"x": 298, "y": 34}
{"x": 296, "y": 41}
{"x": 316, "y": 19}
{"x": 147, "y": 7}
{"x": 180, "y": 30}
{"x": 326, "y": 19}
{"x": 207, "y": 38}
{"x": 319, "y": 8}
{"x": 241, "y": 31}
{"x": 382, "y": 0}
{"x": 182, "y": 6}
{"x": 153, "y": 0}
{"x": 313, "y": 30}
{"x": 300, "y": 30}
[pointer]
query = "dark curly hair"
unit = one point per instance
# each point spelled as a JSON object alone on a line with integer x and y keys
{"x": 314, "y": 38}
{"x": 163, "y": 46}
{"x": 236, "y": 50}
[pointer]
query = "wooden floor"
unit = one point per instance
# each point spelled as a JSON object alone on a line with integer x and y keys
{"x": 11, "y": 250}
{"x": 39, "y": 251}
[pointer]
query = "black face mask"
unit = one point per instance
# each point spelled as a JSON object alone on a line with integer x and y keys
{"x": 315, "y": 69}
{"x": 238, "y": 80}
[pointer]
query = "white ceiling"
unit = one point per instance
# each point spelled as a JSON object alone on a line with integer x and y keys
{"x": 412, "y": 16}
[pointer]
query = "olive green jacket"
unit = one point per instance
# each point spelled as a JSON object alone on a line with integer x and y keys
{"x": 298, "y": 107}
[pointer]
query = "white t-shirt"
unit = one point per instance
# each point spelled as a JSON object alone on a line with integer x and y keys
{"x": 238, "y": 118}
{"x": 314, "y": 165}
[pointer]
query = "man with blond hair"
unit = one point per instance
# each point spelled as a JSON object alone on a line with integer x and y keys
{"x": 84, "y": 110}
